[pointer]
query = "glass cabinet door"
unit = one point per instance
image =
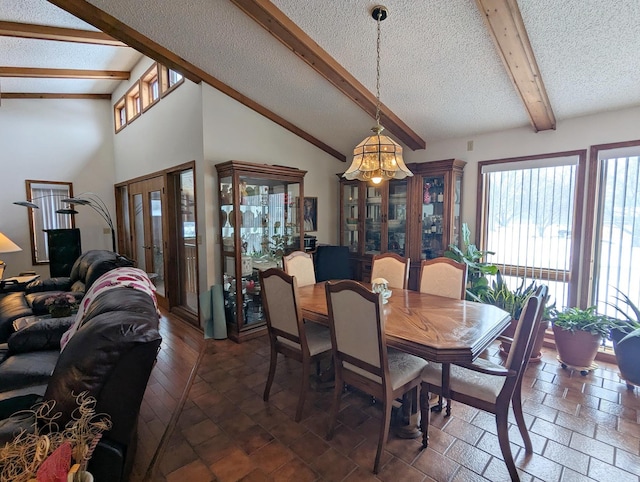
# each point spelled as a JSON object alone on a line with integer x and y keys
{"x": 351, "y": 216}
{"x": 373, "y": 220}
{"x": 397, "y": 217}
{"x": 433, "y": 211}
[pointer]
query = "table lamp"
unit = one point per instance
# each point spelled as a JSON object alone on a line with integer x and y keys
{"x": 6, "y": 246}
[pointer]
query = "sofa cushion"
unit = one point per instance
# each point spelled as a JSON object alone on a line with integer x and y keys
{"x": 42, "y": 335}
{"x": 25, "y": 369}
{"x": 37, "y": 301}
{"x": 12, "y": 307}
{"x": 93, "y": 264}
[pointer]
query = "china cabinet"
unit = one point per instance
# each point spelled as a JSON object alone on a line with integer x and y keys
{"x": 416, "y": 217}
{"x": 261, "y": 219}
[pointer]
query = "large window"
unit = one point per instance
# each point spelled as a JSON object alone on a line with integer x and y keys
{"x": 528, "y": 220}
{"x": 614, "y": 199}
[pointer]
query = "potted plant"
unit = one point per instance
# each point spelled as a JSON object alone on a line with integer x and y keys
{"x": 626, "y": 341}
{"x": 513, "y": 301}
{"x": 578, "y": 334}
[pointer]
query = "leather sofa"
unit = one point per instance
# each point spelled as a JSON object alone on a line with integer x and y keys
{"x": 86, "y": 269}
{"x": 110, "y": 357}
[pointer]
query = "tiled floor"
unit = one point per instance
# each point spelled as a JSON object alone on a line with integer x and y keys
{"x": 582, "y": 428}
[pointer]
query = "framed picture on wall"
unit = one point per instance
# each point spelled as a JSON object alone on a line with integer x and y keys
{"x": 310, "y": 214}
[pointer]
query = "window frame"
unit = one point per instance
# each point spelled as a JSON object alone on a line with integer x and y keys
{"x": 32, "y": 215}
{"x": 574, "y": 275}
{"x": 133, "y": 102}
{"x": 165, "y": 87}
{"x": 118, "y": 108}
{"x": 152, "y": 73}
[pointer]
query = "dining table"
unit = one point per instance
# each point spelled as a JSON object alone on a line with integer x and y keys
{"x": 438, "y": 329}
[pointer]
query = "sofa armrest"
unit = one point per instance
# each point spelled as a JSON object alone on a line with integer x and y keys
{"x": 52, "y": 284}
{"x": 41, "y": 335}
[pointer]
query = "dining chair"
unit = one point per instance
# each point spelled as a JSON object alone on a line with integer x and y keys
{"x": 392, "y": 267}
{"x": 304, "y": 342}
{"x": 300, "y": 265}
{"x": 361, "y": 357}
{"x": 490, "y": 387}
{"x": 443, "y": 277}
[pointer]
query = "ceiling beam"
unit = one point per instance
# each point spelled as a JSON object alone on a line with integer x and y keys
{"x": 39, "y": 73}
{"x": 293, "y": 37}
{"x": 505, "y": 24}
{"x": 22, "y": 95}
{"x": 114, "y": 27}
{"x": 45, "y": 32}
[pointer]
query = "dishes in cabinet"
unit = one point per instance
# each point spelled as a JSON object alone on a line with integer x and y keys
{"x": 224, "y": 218}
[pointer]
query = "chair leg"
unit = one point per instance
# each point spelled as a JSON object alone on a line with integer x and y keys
{"x": 503, "y": 438}
{"x": 384, "y": 434}
{"x": 447, "y": 412}
{"x": 335, "y": 406}
{"x": 425, "y": 412}
{"x": 272, "y": 372}
{"x": 517, "y": 412}
{"x": 304, "y": 388}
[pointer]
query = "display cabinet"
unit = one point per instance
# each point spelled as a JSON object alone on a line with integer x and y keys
{"x": 416, "y": 217}
{"x": 261, "y": 219}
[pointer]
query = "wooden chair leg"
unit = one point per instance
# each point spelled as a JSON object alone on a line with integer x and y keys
{"x": 384, "y": 434}
{"x": 272, "y": 372}
{"x": 503, "y": 438}
{"x": 304, "y": 388}
{"x": 335, "y": 406}
{"x": 522, "y": 426}
{"x": 447, "y": 412}
{"x": 425, "y": 412}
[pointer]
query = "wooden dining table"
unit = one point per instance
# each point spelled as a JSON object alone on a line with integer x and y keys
{"x": 438, "y": 329}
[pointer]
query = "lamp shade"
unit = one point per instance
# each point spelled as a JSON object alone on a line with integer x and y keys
{"x": 8, "y": 246}
{"x": 377, "y": 158}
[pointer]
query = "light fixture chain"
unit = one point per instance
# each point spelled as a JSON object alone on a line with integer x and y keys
{"x": 379, "y": 20}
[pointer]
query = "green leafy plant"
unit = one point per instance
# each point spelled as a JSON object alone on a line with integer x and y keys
{"x": 577, "y": 319}
{"x": 477, "y": 270}
{"x": 500, "y": 295}
{"x": 628, "y": 323}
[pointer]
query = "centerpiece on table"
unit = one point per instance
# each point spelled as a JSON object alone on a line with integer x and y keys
{"x": 61, "y": 304}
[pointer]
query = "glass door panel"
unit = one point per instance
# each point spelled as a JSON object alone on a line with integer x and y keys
{"x": 397, "y": 217}
{"x": 138, "y": 227}
{"x": 433, "y": 197}
{"x": 373, "y": 220}
{"x": 351, "y": 216}
{"x": 156, "y": 247}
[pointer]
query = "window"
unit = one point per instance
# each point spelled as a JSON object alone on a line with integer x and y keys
{"x": 134, "y": 108}
{"x": 614, "y": 200}
{"x": 528, "y": 219}
{"x": 120, "y": 114}
{"x": 170, "y": 79}
{"x": 48, "y": 196}
{"x": 150, "y": 87}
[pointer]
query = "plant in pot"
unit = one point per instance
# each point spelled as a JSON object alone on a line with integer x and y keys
{"x": 626, "y": 341}
{"x": 513, "y": 301}
{"x": 578, "y": 334}
{"x": 477, "y": 270}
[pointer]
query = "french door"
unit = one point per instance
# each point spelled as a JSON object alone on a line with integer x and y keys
{"x": 147, "y": 206}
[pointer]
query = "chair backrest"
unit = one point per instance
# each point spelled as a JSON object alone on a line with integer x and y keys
{"x": 392, "y": 267}
{"x": 443, "y": 277}
{"x": 357, "y": 329}
{"x": 523, "y": 338}
{"x": 332, "y": 262}
{"x": 543, "y": 292}
{"x": 279, "y": 300}
{"x": 300, "y": 265}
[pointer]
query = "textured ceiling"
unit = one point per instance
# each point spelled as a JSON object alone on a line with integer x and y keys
{"x": 440, "y": 71}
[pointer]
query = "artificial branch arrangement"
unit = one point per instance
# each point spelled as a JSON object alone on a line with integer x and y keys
{"x": 61, "y": 304}
{"x": 47, "y": 454}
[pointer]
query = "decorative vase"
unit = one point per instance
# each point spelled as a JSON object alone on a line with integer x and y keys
{"x": 576, "y": 349}
{"x": 82, "y": 476}
{"x": 60, "y": 311}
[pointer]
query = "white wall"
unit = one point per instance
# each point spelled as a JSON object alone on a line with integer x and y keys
{"x": 572, "y": 134}
{"x": 235, "y": 132}
{"x": 55, "y": 140}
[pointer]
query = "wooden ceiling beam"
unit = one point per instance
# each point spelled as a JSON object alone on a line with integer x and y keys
{"x": 114, "y": 27}
{"x": 40, "y": 73}
{"x": 45, "y": 32}
{"x": 505, "y": 24}
{"x": 293, "y": 37}
{"x": 30, "y": 95}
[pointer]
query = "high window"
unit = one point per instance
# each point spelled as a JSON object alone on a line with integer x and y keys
{"x": 120, "y": 114}
{"x": 134, "y": 108}
{"x": 150, "y": 87}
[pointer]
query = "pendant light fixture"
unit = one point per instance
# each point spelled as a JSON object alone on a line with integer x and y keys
{"x": 377, "y": 158}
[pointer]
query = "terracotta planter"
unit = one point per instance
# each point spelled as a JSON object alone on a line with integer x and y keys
{"x": 536, "y": 352}
{"x": 576, "y": 349}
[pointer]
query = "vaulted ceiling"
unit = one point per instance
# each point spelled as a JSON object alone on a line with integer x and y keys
{"x": 449, "y": 68}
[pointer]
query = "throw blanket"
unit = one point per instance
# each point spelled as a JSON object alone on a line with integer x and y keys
{"x": 133, "y": 278}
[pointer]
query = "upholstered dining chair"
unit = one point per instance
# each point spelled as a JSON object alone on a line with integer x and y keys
{"x": 300, "y": 265}
{"x": 361, "y": 356}
{"x": 490, "y": 387}
{"x": 392, "y": 267}
{"x": 443, "y": 277}
{"x": 304, "y": 342}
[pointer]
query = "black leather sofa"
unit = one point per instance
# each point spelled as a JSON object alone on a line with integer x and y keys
{"x": 86, "y": 269}
{"x": 110, "y": 356}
